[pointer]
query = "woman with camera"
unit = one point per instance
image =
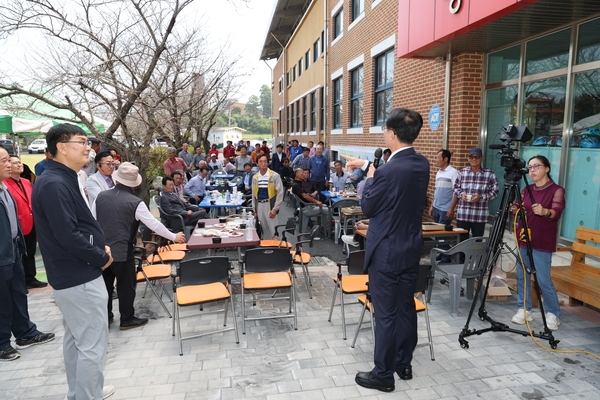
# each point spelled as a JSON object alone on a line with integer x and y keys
{"x": 542, "y": 219}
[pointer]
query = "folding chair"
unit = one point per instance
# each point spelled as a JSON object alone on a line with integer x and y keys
{"x": 289, "y": 227}
{"x": 337, "y": 217}
{"x": 164, "y": 217}
{"x": 300, "y": 257}
{"x": 202, "y": 281}
{"x": 424, "y": 282}
{"x": 355, "y": 282}
{"x": 163, "y": 244}
{"x": 155, "y": 272}
{"x": 268, "y": 268}
{"x": 159, "y": 254}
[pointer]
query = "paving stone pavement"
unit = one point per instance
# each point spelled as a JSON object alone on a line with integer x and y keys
{"x": 275, "y": 362}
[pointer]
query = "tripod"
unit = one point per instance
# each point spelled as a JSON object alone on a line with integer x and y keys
{"x": 494, "y": 247}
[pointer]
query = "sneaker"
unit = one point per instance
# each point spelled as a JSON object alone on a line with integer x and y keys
{"x": 552, "y": 321}
{"x": 108, "y": 391}
{"x": 9, "y": 354}
{"x": 349, "y": 239}
{"x": 519, "y": 317}
{"x": 40, "y": 338}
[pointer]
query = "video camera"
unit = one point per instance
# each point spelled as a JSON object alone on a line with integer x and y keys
{"x": 513, "y": 165}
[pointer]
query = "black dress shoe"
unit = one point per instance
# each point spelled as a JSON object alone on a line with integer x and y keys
{"x": 364, "y": 379}
{"x": 404, "y": 373}
{"x": 133, "y": 323}
{"x": 35, "y": 284}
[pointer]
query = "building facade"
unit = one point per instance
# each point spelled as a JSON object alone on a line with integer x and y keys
{"x": 469, "y": 67}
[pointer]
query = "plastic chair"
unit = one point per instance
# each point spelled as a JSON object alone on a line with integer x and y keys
{"x": 158, "y": 255}
{"x": 424, "y": 282}
{"x": 268, "y": 268}
{"x": 289, "y": 227}
{"x": 202, "y": 281}
{"x": 474, "y": 250}
{"x": 353, "y": 283}
{"x": 163, "y": 245}
{"x": 335, "y": 213}
{"x": 165, "y": 218}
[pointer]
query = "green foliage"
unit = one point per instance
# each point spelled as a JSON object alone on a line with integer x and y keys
{"x": 158, "y": 155}
{"x": 253, "y": 106}
{"x": 265, "y": 100}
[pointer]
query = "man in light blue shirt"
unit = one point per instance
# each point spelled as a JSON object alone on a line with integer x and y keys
{"x": 196, "y": 187}
{"x": 319, "y": 169}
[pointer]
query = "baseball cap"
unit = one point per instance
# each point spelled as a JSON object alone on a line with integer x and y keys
{"x": 475, "y": 150}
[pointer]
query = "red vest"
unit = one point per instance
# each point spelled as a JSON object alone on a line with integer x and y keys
{"x": 23, "y": 203}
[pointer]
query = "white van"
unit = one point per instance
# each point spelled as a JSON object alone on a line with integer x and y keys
{"x": 37, "y": 146}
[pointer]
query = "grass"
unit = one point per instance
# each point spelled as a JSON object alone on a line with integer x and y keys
{"x": 31, "y": 159}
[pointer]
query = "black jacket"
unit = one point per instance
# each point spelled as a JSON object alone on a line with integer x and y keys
{"x": 71, "y": 240}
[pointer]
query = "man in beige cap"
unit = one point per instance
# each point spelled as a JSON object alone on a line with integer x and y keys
{"x": 119, "y": 213}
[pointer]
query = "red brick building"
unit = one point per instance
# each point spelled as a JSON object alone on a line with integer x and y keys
{"x": 468, "y": 66}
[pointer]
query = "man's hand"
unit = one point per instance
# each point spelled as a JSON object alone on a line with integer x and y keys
{"x": 189, "y": 212}
{"x": 450, "y": 214}
{"x": 180, "y": 238}
{"x": 353, "y": 162}
{"x": 272, "y": 214}
{"x": 110, "y": 259}
{"x": 370, "y": 171}
{"x": 431, "y": 210}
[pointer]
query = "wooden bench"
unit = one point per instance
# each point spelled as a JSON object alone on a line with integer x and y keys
{"x": 579, "y": 281}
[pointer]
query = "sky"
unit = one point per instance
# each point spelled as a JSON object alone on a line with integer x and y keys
{"x": 243, "y": 25}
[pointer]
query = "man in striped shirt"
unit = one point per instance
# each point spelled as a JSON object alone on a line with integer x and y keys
{"x": 267, "y": 196}
{"x": 474, "y": 188}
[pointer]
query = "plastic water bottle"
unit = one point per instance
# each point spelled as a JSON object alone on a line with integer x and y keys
{"x": 244, "y": 216}
{"x": 248, "y": 233}
{"x": 228, "y": 197}
{"x": 250, "y": 220}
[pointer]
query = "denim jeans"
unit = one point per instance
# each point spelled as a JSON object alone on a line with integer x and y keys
{"x": 542, "y": 261}
{"x": 440, "y": 217}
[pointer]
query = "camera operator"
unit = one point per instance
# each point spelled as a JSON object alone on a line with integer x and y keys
{"x": 542, "y": 220}
{"x": 474, "y": 188}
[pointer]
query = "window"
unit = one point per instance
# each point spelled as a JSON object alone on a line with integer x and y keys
{"x": 504, "y": 64}
{"x": 588, "y": 42}
{"x": 280, "y": 85}
{"x": 322, "y": 41}
{"x": 358, "y": 8}
{"x": 287, "y": 120}
{"x": 294, "y": 73}
{"x": 338, "y": 25}
{"x": 287, "y": 78}
{"x": 292, "y": 117}
{"x": 304, "y": 113}
{"x": 316, "y": 50}
{"x": 356, "y": 97}
{"x": 322, "y": 111}
{"x": 384, "y": 86}
{"x": 313, "y": 111}
{"x": 299, "y": 67}
{"x": 548, "y": 53}
{"x": 298, "y": 128}
{"x": 279, "y": 122}
{"x": 307, "y": 59}
{"x": 337, "y": 103}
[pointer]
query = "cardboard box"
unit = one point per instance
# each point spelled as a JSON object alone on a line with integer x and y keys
{"x": 498, "y": 293}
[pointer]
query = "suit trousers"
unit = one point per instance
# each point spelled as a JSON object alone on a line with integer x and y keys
{"x": 392, "y": 290}
{"x": 14, "y": 314}
{"x": 29, "y": 259}
{"x": 86, "y": 337}
{"x": 267, "y": 224}
{"x": 125, "y": 273}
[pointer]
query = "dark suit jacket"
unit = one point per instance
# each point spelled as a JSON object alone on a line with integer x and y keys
{"x": 242, "y": 187}
{"x": 276, "y": 163}
{"x": 394, "y": 200}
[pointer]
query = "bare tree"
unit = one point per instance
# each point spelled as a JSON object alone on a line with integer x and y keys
{"x": 100, "y": 58}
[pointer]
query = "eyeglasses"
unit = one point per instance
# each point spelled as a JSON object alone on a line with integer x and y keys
{"x": 474, "y": 156}
{"x": 79, "y": 142}
{"x": 384, "y": 128}
{"x": 534, "y": 167}
{"x": 108, "y": 164}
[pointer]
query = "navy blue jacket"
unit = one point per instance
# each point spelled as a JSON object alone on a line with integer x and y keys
{"x": 71, "y": 240}
{"x": 394, "y": 200}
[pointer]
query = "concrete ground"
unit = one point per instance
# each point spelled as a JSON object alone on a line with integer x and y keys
{"x": 273, "y": 361}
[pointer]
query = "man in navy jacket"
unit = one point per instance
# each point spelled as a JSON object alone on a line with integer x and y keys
{"x": 72, "y": 246}
{"x": 394, "y": 199}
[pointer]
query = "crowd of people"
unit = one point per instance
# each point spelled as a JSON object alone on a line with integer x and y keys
{"x": 84, "y": 214}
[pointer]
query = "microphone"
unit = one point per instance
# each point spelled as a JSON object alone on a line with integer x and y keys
{"x": 377, "y": 157}
{"x": 496, "y": 146}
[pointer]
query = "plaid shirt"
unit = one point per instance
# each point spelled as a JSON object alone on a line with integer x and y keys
{"x": 485, "y": 184}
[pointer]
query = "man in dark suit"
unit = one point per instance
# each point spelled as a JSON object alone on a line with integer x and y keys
{"x": 394, "y": 199}
{"x": 170, "y": 203}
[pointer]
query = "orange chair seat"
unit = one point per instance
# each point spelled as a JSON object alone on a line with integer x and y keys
{"x": 167, "y": 256}
{"x": 362, "y": 299}
{"x": 275, "y": 243}
{"x": 302, "y": 258}
{"x": 173, "y": 247}
{"x": 355, "y": 283}
{"x": 267, "y": 280}
{"x": 419, "y": 306}
{"x": 155, "y": 271}
{"x": 195, "y": 294}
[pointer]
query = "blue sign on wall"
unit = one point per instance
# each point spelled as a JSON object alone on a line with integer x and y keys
{"x": 435, "y": 117}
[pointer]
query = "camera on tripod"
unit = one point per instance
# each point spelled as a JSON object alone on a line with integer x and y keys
{"x": 512, "y": 165}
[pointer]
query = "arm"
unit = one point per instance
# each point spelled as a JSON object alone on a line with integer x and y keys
{"x": 450, "y": 213}
{"x": 143, "y": 215}
{"x": 279, "y": 198}
{"x": 168, "y": 207}
{"x": 375, "y": 190}
{"x": 492, "y": 191}
{"x": 92, "y": 187}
